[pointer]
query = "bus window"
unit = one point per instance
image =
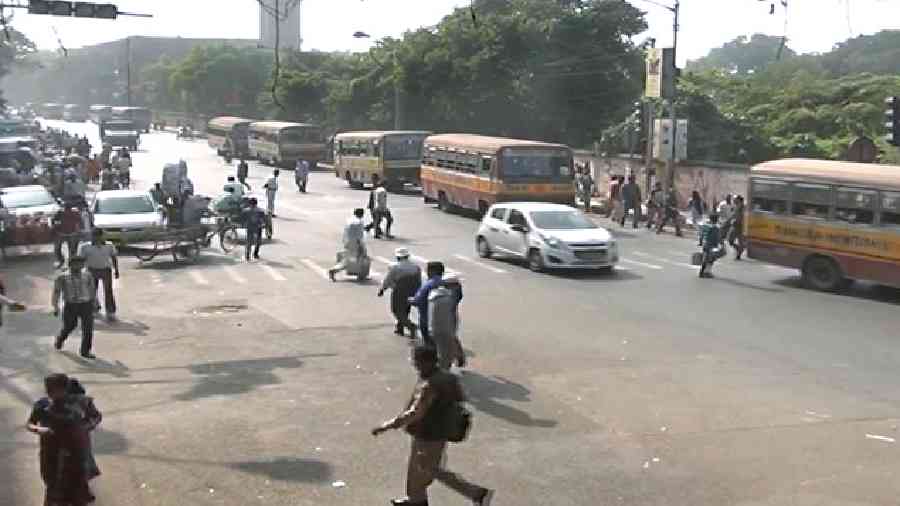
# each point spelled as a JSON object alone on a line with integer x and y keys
{"x": 890, "y": 209}
{"x": 486, "y": 165}
{"x": 770, "y": 196}
{"x": 811, "y": 201}
{"x": 855, "y": 206}
{"x": 375, "y": 150}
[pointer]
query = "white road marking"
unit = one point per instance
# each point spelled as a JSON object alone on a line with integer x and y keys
{"x": 424, "y": 261}
{"x": 383, "y": 260}
{"x": 881, "y": 438}
{"x": 198, "y": 278}
{"x": 322, "y": 272}
{"x": 666, "y": 261}
{"x": 274, "y": 274}
{"x": 235, "y": 275}
{"x": 481, "y": 264}
{"x": 642, "y": 264}
{"x": 620, "y": 268}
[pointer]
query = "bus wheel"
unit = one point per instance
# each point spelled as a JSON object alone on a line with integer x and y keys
{"x": 822, "y": 273}
{"x": 443, "y": 203}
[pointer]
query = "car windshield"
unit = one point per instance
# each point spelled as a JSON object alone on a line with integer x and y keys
{"x": 125, "y": 205}
{"x": 15, "y": 200}
{"x": 561, "y": 220}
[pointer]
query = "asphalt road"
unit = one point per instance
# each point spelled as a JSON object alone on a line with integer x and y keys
{"x": 234, "y": 383}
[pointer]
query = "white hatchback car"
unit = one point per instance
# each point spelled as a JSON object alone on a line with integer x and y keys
{"x": 126, "y": 215}
{"x": 547, "y": 236}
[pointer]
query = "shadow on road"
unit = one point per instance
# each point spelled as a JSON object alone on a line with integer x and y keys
{"x": 484, "y": 392}
{"x": 859, "y": 289}
{"x": 134, "y": 327}
{"x": 236, "y": 377}
{"x": 290, "y": 469}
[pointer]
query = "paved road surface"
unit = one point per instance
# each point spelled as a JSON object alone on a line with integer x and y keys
{"x": 256, "y": 383}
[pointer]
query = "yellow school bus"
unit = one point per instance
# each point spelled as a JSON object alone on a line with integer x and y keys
{"x": 474, "y": 171}
{"x": 835, "y": 221}
{"x": 395, "y": 156}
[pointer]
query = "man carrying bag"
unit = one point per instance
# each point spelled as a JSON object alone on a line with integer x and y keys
{"x": 433, "y": 417}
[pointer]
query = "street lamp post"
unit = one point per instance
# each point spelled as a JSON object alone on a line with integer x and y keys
{"x": 398, "y": 98}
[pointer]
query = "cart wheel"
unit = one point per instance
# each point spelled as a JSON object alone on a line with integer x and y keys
{"x": 145, "y": 255}
{"x": 269, "y": 227}
{"x": 228, "y": 238}
{"x": 185, "y": 251}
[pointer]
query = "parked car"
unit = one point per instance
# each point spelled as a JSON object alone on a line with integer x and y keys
{"x": 546, "y": 236}
{"x": 126, "y": 215}
{"x": 27, "y": 211}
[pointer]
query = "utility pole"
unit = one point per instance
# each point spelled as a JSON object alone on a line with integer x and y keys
{"x": 670, "y": 166}
{"x": 128, "y": 71}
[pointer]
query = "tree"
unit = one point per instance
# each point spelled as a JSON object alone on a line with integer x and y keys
{"x": 743, "y": 55}
{"x": 221, "y": 78}
{"x": 14, "y": 50}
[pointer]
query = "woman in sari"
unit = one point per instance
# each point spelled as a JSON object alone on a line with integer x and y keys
{"x": 63, "y": 421}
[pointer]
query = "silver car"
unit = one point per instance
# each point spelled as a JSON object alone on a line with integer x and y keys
{"x": 547, "y": 236}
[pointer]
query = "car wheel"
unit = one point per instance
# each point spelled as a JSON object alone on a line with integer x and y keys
{"x": 822, "y": 273}
{"x": 484, "y": 249}
{"x": 535, "y": 261}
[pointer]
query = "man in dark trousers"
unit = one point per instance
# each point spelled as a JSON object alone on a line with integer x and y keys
{"x": 403, "y": 279}
{"x": 102, "y": 263}
{"x": 254, "y": 220}
{"x": 427, "y": 418}
{"x": 77, "y": 289}
{"x": 243, "y": 171}
{"x": 631, "y": 197}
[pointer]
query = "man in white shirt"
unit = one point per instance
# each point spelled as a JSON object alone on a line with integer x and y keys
{"x": 271, "y": 187}
{"x": 100, "y": 259}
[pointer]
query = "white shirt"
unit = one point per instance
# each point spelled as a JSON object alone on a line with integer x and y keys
{"x": 272, "y": 184}
{"x": 99, "y": 256}
{"x": 725, "y": 210}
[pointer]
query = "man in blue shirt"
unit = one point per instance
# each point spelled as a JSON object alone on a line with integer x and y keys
{"x": 435, "y": 273}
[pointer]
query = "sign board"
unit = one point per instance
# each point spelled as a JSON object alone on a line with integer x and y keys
{"x": 660, "y": 66}
{"x": 662, "y": 140}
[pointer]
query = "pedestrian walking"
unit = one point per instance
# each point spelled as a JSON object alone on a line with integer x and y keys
{"x": 103, "y": 264}
{"x": 254, "y": 219}
{"x": 243, "y": 171}
{"x": 697, "y": 208}
{"x": 301, "y": 175}
{"x": 631, "y": 199}
{"x": 435, "y": 273}
{"x": 403, "y": 279}
{"x": 353, "y": 242}
{"x": 615, "y": 195}
{"x": 378, "y": 202}
{"x": 736, "y": 237}
{"x": 613, "y": 192}
{"x": 76, "y": 288}
{"x": 63, "y": 420}
{"x": 432, "y": 418}
{"x": 67, "y": 225}
{"x": 670, "y": 213}
{"x": 725, "y": 210}
{"x": 443, "y": 321}
{"x": 711, "y": 244}
{"x": 584, "y": 187}
{"x": 655, "y": 205}
{"x": 271, "y": 187}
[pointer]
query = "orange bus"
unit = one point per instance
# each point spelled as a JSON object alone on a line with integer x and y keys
{"x": 834, "y": 221}
{"x": 474, "y": 171}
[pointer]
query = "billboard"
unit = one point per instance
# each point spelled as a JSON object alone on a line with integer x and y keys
{"x": 662, "y": 139}
{"x": 660, "y": 66}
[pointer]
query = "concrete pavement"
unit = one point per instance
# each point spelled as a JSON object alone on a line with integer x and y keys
{"x": 256, "y": 383}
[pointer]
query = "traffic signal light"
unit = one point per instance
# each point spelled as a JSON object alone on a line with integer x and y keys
{"x": 77, "y": 9}
{"x": 892, "y": 115}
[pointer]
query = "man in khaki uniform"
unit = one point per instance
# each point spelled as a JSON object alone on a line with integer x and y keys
{"x": 425, "y": 419}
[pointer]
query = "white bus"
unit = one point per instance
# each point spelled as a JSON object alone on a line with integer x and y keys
{"x": 228, "y": 135}
{"x": 281, "y": 143}
{"x": 100, "y": 112}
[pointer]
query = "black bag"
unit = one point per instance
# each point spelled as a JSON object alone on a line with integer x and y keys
{"x": 460, "y": 424}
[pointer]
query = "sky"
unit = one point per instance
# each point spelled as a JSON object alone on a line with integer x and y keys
{"x": 328, "y": 25}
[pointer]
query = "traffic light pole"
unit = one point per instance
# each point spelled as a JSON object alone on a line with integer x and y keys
{"x": 670, "y": 164}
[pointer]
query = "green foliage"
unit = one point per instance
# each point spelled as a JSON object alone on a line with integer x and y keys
{"x": 14, "y": 49}
{"x": 743, "y": 55}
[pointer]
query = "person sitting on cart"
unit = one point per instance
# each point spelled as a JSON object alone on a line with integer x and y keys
{"x": 228, "y": 204}
{"x": 254, "y": 219}
{"x": 237, "y": 189}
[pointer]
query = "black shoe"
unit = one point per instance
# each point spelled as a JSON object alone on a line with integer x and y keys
{"x": 88, "y": 355}
{"x": 256, "y": 256}
{"x": 331, "y": 274}
{"x": 486, "y": 497}
{"x": 398, "y": 331}
{"x": 58, "y": 343}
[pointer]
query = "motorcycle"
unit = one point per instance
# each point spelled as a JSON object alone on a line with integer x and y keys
{"x": 184, "y": 133}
